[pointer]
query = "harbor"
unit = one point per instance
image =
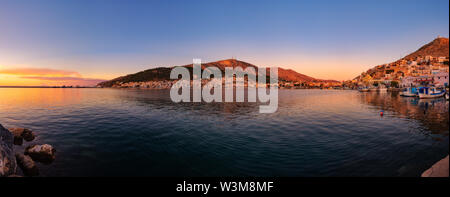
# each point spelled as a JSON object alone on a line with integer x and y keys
{"x": 140, "y": 132}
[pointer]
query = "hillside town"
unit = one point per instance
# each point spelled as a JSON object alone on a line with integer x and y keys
{"x": 159, "y": 78}
{"x": 167, "y": 84}
{"x": 309, "y": 85}
{"x": 428, "y": 66}
{"x": 406, "y": 73}
{"x": 400, "y": 74}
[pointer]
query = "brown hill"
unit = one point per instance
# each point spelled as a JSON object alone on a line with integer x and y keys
{"x": 439, "y": 47}
{"x": 436, "y": 48}
{"x": 222, "y": 64}
{"x": 290, "y": 75}
{"x": 283, "y": 74}
{"x": 163, "y": 73}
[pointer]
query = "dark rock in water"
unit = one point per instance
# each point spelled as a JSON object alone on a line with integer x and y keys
{"x": 42, "y": 153}
{"x": 18, "y": 139}
{"x": 26, "y": 134}
{"x": 27, "y": 165}
{"x": 7, "y": 160}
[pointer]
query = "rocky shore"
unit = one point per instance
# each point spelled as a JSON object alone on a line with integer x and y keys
{"x": 439, "y": 169}
{"x": 7, "y": 159}
{"x": 10, "y": 160}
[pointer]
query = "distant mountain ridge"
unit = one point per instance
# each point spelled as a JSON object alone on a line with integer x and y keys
{"x": 163, "y": 73}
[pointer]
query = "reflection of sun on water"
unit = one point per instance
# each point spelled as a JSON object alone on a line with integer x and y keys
{"x": 38, "y": 97}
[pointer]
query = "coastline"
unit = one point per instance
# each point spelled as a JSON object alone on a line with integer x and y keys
{"x": 439, "y": 169}
{"x": 377, "y": 101}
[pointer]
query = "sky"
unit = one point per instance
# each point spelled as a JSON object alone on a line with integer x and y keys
{"x": 81, "y": 42}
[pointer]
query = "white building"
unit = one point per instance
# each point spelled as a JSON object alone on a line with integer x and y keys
{"x": 415, "y": 81}
{"x": 441, "y": 59}
{"x": 441, "y": 79}
{"x": 412, "y": 63}
{"x": 408, "y": 81}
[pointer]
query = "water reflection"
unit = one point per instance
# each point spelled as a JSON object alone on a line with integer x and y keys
{"x": 36, "y": 97}
{"x": 431, "y": 113}
{"x": 161, "y": 99}
{"x": 131, "y": 132}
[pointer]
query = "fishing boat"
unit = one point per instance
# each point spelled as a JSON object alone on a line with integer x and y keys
{"x": 430, "y": 92}
{"x": 364, "y": 89}
{"x": 409, "y": 92}
{"x": 372, "y": 89}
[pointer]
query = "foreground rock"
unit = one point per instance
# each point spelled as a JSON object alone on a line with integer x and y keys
{"x": 18, "y": 139}
{"x": 20, "y": 134}
{"x": 7, "y": 159}
{"x": 42, "y": 153}
{"x": 440, "y": 169}
{"x": 27, "y": 165}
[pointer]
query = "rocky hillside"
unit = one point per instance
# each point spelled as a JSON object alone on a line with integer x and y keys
{"x": 163, "y": 73}
{"x": 437, "y": 48}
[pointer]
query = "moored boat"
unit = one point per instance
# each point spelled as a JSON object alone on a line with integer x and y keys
{"x": 364, "y": 89}
{"x": 372, "y": 89}
{"x": 430, "y": 92}
{"x": 409, "y": 92}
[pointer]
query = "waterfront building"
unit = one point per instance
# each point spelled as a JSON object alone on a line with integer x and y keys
{"x": 441, "y": 79}
{"x": 441, "y": 59}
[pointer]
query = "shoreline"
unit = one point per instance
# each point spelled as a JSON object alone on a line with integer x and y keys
{"x": 439, "y": 169}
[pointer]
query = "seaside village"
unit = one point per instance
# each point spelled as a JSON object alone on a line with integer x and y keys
{"x": 422, "y": 71}
{"x": 424, "y": 77}
{"x": 166, "y": 84}
{"x": 407, "y": 73}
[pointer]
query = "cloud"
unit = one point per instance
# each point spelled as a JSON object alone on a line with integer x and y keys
{"x": 40, "y": 72}
{"x": 69, "y": 81}
{"x": 52, "y": 77}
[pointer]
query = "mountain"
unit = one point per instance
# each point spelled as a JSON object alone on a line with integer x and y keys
{"x": 414, "y": 64}
{"x": 439, "y": 47}
{"x": 290, "y": 75}
{"x": 163, "y": 73}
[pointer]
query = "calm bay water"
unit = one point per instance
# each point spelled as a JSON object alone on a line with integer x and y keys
{"x": 112, "y": 132}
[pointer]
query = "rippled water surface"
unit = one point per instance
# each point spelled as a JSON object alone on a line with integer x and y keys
{"x": 112, "y": 132}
